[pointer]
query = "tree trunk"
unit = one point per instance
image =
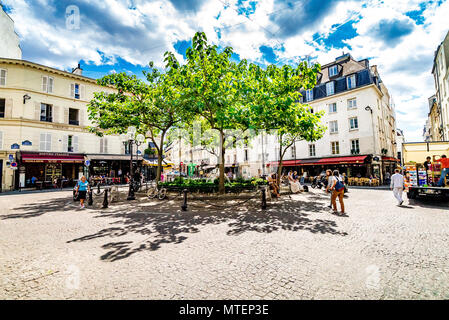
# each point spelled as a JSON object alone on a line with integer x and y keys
{"x": 281, "y": 155}
{"x": 160, "y": 155}
{"x": 221, "y": 186}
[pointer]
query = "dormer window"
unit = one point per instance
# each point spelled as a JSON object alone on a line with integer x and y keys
{"x": 309, "y": 95}
{"x": 333, "y": 71}
{"x": 330, "y": 88}
{"x": 351, "y": 81}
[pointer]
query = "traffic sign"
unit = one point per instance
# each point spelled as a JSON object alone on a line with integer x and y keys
{"x": 11, "y": 157}
{"x": 87, "y": 163}
{"x": 14, "y": 164}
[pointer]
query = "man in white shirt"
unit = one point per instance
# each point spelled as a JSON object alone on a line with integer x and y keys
{"x": 397, "y": 185}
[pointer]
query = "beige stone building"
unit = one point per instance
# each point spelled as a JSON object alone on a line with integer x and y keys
{"x": 43, "y": 127}
{"x": 439, "y": 111}
{"x": 361, "y": 137}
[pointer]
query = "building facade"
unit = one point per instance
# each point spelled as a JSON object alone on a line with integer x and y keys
{"x": 10, "y": 45}
{"x": 44, "y": 128}
{"x": 433, "y": 130}
{"x": 360, "y": 139}
{"x": 440, "y": 73}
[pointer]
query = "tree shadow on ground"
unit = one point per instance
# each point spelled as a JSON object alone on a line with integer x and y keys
{"x": 163, "y": 222}
{"x": 163, "y": 228}
{"x": 37, "y": 209}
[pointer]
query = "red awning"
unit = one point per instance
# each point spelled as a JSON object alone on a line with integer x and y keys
{"x": 52, "y": 157}
{"x": 322, "y": 161}
{"x": 390, "y": 159}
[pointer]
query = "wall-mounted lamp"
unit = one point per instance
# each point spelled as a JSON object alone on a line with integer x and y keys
{"x": 25, "y": 98}
{"x": 368, "y": 108}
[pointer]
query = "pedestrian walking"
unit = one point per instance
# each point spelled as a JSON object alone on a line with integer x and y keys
{"x": 444, "y": 168}
{"x": 337, "y": 187}
{"x": 82, "y": 187}
{"x": 397, "y": 185}
{"x": 328, "y": 185}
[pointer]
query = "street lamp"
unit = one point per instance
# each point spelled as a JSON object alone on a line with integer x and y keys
{"x": 132, "y": 139}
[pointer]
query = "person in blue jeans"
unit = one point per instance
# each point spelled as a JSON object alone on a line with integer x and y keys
{"x": 82, "y": 187}
{"x": 444, "y": 168}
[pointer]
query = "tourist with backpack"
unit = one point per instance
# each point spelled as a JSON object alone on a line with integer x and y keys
{"x": 337, "y": 187}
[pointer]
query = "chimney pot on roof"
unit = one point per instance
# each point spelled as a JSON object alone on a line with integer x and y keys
{"x": 78, "y": 70}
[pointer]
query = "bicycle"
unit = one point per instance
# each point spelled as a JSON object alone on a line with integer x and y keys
{"x": 160, "y": 193}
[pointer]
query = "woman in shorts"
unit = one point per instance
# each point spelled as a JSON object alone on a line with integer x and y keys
{"x": 82, "y": 187}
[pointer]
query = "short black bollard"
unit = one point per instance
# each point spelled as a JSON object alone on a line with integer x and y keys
{"x": 264, "y": 198}
{"x": 90, "y": 201}
{"x": 98, "y": 188}
{"x": 184, "y": 205}
{"x": 105, "y": 200}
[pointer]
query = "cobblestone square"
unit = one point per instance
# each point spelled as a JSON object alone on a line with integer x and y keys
{"x": 296, "y": 249}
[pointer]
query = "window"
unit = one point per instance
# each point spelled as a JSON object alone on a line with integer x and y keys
{"x": 333, "y": 126}
{"x": 1, "y": 140}
{"x": 355, "y": 149}
{"x": 332, "y": 107}
{"x": 74, "y": 117}
{"x": 350, "y": 81}
{"x": 293, "y": 150}
{"x": 309, "y": 95}
{"x": 333, "y": 71}
{"x": 77, "y": 91}
{"x": 353, "y": 123}
{"x": 2, "y": 77}
{"x": 312, "y": 150}
{"x": 2, "y": 108}
{"x": 352, "y": 103}
{"x": 45, "y": 142}
{"x": 72, "y": 144}
{"x": 330, "y": 88}
{"x": 47, "y": 84}
{"x": 335, "y": 146}
{"x": 246, "y": 155}
{"x": 46, "y": 112}
{"x": 103, "y": 145}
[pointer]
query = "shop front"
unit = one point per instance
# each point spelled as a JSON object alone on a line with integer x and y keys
{"x": 352, "y": 166}
{"x": 49, "y": 169}
{"x": 111, "y": 168}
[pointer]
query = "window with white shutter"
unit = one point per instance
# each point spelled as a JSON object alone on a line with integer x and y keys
{"x": 44, "y": 83}
{"x": 50, "y": 84}
{"x": 1, "y": 140}
{"x": 75, "y": 144}
{"x": 45, "y": 142}
{"x": 2, "y": 77}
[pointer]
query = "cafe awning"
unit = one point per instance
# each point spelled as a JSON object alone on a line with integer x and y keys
{"x": 119, "y": 157}
{"x": 153, "y": 163}
{"x": 321, "y": 161}
{"x": 52, "y": 157}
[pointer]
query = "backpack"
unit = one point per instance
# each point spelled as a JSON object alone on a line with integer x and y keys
{"x": 339, "y": 185}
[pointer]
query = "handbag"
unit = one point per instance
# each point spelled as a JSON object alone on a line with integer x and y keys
{"x": 339, "y": 185}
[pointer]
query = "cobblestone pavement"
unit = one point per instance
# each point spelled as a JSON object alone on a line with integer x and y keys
{"x": 50, "y": 249}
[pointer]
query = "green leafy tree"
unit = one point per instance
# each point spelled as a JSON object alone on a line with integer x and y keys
{"x": 153, "y": 107}
{"x": 275, "y": 104}
{"x": 212, "y": 87}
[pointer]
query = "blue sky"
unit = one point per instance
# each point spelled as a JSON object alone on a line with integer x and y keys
{"x": 399, "y": 36}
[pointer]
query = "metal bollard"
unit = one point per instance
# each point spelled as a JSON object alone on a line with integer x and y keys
{"x": 105, "y": 199}
{"x": 184, "y": 205}
{"x": 264, "y": 198}
{"x": 90, "y": 201}
{"x": 98, "y": 188}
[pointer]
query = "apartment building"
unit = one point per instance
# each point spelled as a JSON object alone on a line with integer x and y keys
{"x": 439, "y": 116}
{"x": 361, "y": 134}
{"x": 9, "y": 40}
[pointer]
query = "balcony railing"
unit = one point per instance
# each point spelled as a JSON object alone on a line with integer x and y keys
{"x": 74, "y": 122}
{"x": 46, "y": 119}
{"x": 355, "y": 151}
